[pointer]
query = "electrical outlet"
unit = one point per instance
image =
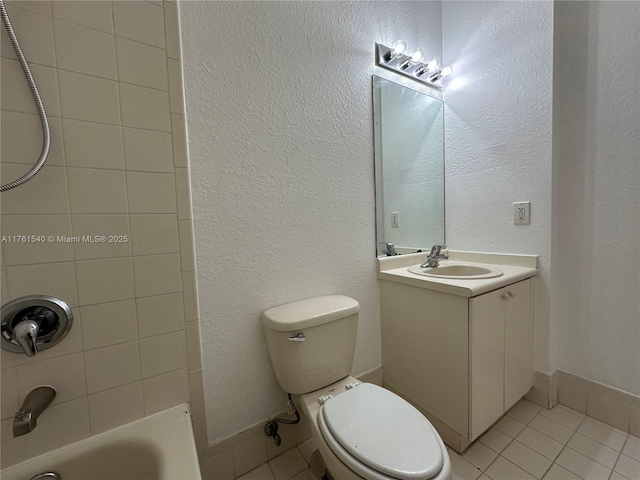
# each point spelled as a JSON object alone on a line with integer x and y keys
{"x": 395, "y": 219}
{"x": 521, "y": 213}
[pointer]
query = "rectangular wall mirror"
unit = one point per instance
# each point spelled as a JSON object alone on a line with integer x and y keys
{"x": 409, "y": 167}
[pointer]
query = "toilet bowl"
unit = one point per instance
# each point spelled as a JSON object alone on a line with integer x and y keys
{"x": 362, "y": 431}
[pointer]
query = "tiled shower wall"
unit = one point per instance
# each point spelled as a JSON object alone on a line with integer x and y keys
{"x": 110, "y": 76}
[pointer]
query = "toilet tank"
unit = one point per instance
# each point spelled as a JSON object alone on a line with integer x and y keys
{"x": 311, "y": 342}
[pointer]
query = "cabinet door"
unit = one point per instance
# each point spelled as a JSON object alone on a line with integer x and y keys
{"x": 519, "y": 342}
{"x": 486, "y": 360}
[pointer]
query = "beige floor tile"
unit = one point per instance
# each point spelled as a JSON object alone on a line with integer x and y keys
{"x": 288, "y": 464}
{"x": 304, "y": 475}
{"x": 483, "y": 477}
{"x": 307, "y": 448}
{"x": 539, "y": 442}
{"x": 616, "y": 476}
{"x": 251, "y": 454}
{"x": 602, "y": 433}
{"x": 480, "y": 456}
{"x": 628, "y": 467}
{"x": 582, "y": 466}
{"x": 595, "y": 451}
{"x": 564, "y": 416}
{"x": 503, "y": 469}
{"x": 522, "y": 414}
{"x": 261, "y": 473}
{"x": 530, "y": 405}
{"x": 218, "y": 467}
{"x": 527, "y": 459}
{"x": 551, "y": 429}
{"x": 495, "y": 440}
{"x": 510, "y": 426}
{"x": 461, "y": 469}
{"x": 556, "y": 472}
{"x": 632, "y": 448}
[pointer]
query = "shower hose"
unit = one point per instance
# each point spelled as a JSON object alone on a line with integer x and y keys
{"x": 46, "y": 131}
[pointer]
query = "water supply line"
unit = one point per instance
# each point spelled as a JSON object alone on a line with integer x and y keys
{"x": 46, "y": 131}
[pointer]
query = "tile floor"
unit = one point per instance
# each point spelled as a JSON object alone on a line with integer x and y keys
{"x": 528, "y": 443}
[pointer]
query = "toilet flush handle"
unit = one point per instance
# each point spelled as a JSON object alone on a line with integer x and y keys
{"x": 298, "y": 338}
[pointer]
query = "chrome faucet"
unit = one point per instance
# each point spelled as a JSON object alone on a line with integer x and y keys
{"x": 433, "y": 260}
{"x": 36, "y": 402}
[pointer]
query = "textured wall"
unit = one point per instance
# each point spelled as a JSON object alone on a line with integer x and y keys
{"x": 281, "y": 142}
{"x": 498, "y": 134}
{"x": 596, "y": 329}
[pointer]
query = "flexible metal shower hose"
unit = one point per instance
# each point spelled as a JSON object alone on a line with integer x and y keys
{"x": 46, "y": 131}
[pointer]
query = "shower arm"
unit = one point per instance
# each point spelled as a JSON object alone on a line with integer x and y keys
{"x": 46, "y": 131}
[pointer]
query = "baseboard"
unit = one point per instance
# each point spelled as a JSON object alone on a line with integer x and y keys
{"x": 610, "y": 405}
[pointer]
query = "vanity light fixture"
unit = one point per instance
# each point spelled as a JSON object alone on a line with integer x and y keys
{"x": 411, "y": 66}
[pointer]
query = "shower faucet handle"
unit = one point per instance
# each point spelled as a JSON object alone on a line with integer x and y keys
{"x": 26, "y": 333}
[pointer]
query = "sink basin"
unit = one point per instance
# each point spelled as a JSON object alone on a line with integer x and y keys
{"x": 460, "y": 271}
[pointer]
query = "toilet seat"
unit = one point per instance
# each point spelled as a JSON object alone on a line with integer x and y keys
{"x": 380, "y": 436}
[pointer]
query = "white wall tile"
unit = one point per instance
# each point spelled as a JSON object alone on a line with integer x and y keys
{"x": 147, "y": 150}
{"x": 95, "y": 14}
{"x": 190, "y": 296}
{"x": 165, "y": 391}
{"x": 9, "y": 401}
{"x": 16, "y": 95}
{"x": 187, "y": 252}
{"x": 107, "y": 280}
{"x": 160, "y": 314}
{"x": 183, "y": 193}
{"x": 22, "y": 253}
{"x": 93, "y": 145}
{"x": 46, "y": 193}
{"x": 179, "y": 134}
{"x": 102, "y": 225}
{"x": 176, "y": 92}
{"x": 141, "y": 64}
{"x": 157, "y": 274}
{"x": 41, "y": 7}
{"x": 154, "y": 234}
{"x": 634, "y": 420}
{"x": 115, "y": 407}
{"x": 163, "y": 353}
{"x": 56, "y": 279}
{"x": 151, "y": 192}
{"x": 97, "y": 191}
{"x": 139, "y": 21}
{"x": 112, "y": 366}
{"x": 84, "y": 50}
{"x": 196, "y": 389}
{"x": 22, "y": 139}
{"x": 108, "y": 324}
{"x": 83, "y": 97}
{"x": 171, "y": 21}
{"x": 37, "y": 46}
{"x": 193, "y": 345}
{"x": 65, "y": 374}
{"x": 144, "y": 108}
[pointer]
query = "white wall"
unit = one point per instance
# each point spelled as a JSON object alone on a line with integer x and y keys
{"x": 281, "y": 141}
{"x": 596, "y": 327}
{"x": 498, "y": 134}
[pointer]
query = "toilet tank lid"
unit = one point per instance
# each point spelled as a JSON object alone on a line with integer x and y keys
{"x": 309, "y": 313}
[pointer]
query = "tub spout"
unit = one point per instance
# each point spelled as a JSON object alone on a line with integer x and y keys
{"x": 36, "y": 402}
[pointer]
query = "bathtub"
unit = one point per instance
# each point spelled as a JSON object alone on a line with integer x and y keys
{"x": 158, "y": 447}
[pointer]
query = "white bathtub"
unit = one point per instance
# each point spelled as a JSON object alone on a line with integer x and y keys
{"x": 158, "y": 447}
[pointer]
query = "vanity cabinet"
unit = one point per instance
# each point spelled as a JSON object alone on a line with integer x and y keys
{"x": 464, "y": 361}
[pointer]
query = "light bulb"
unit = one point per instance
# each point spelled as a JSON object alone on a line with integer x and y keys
{"x": 433, "y": 65}
{"x": 446, "y": 71}
{"x": 398, "y": 48}
{"x": 417, "y": 56}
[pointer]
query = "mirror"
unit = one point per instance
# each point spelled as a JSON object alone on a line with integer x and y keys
{"x": 409, "y": 167}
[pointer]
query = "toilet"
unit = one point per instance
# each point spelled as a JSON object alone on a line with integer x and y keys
{"x": 362, "y": 431}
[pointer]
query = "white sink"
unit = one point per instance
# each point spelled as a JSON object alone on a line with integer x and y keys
{"x": 460, "y": 271}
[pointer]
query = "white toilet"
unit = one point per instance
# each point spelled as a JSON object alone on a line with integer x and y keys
{"x": 362, "y": 431}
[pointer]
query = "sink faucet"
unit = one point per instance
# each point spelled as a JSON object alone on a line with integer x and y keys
{"x": 36, "y": 402}
{"x": 433, "y": 260}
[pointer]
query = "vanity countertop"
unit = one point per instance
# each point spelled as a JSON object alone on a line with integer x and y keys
{"x": 514, "y": 267}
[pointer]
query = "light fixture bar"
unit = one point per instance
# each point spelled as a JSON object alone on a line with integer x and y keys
{"x": 411, "y": 65}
